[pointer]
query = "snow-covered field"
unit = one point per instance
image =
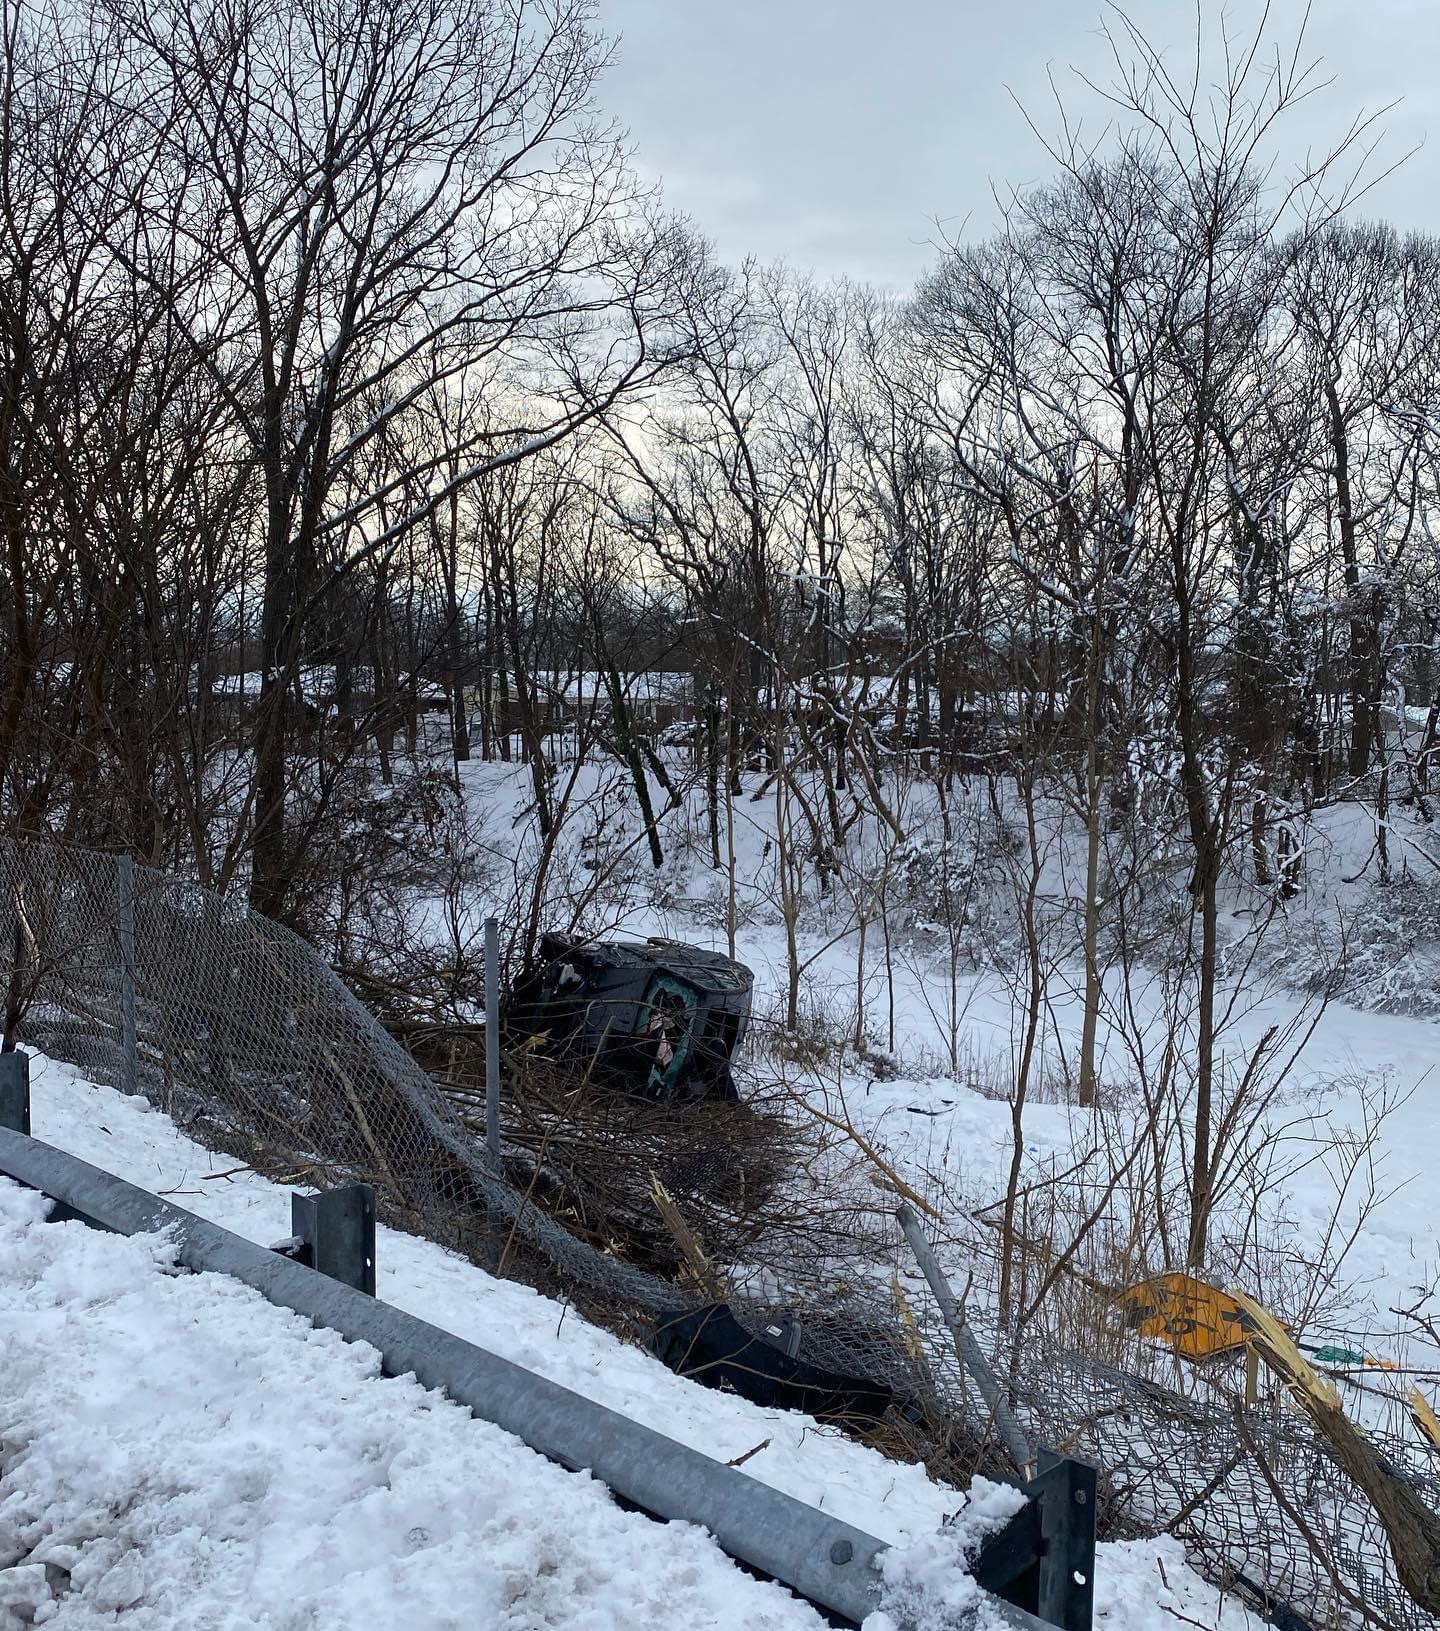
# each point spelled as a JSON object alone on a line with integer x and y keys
{"x": 177, "y": 1453}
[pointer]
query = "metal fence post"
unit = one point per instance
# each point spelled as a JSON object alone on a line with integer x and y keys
{"x": 492, "y": 1040}
{"x": 1012, "y": 1435}
{"x": 125, "y": 881}
{"x": 493, "y": 1220}
{"x": 15, "y": 1091}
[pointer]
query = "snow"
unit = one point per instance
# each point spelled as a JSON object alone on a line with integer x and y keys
{"x": 928, "y": 1586}
{"x": 1138, "y": 1584}
{"x": 317, "y": 683}
{"x": 933, "y": 1106}
{"x": 648, "y": 687}
{"x": 264, "y": 1474}
{"x": 202, "y": 1458}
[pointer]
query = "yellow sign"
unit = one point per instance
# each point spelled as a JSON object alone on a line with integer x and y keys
{"x": 1196, "y": 1319}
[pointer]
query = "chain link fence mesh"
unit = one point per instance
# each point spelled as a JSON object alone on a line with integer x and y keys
{"x": 236, "y": 1028}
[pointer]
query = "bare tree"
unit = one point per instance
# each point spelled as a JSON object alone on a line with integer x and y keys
{"x": 367, "y": 181}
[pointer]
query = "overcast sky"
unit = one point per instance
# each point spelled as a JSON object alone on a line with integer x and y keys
{"x": 835, "y": 133}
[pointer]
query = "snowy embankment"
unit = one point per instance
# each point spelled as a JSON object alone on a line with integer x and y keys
{"x": 178, "y": 1452}
{"x": 174, "y": 1452}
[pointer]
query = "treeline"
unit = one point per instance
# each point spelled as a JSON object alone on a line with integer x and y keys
{"x": 340, "y": 340}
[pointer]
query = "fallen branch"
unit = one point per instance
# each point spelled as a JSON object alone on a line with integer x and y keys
{"x": 1411, "y": 1528}
{"x": 702, "y": 1270}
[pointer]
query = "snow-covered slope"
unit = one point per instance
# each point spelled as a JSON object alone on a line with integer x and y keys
{"x": 178, "y": 1452}
{"x": 1339, "y": 1225}
{"x": 217, "y": 1462}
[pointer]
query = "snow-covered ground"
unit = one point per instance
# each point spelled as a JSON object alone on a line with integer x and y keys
{"x": 189, "y": 1456}
{"x": 177, "y": 1452}
{"x": 1339, "y": 1225}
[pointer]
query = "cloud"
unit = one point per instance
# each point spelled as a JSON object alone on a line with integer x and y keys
{"x": 834, "y": 133}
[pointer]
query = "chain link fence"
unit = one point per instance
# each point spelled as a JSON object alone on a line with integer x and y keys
{"x": 236, "y": 1028}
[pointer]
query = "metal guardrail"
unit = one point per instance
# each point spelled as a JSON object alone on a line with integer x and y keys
{"x": 830, "y": 1563}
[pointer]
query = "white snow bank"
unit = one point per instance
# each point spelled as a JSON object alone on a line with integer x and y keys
{"x": 928, "y": 1586}
{"x": 175, "y": 1450}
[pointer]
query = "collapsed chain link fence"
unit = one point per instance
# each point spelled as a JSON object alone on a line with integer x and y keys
{"x": 236, "y": 1028}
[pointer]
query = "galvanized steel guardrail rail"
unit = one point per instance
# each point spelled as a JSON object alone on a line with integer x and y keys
{"x": 832, "y": 1564}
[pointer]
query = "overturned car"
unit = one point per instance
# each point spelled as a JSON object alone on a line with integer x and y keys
{"x": 655, "y": 1018}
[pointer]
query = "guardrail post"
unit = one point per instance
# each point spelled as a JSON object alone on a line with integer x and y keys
{"x": 1064, "y": 1490}
{"x": 337, "y": 1228}
{"x": 15, "y": 1091}
{"x": 1043, "y": 1560}
{"x": 125, "y": 891}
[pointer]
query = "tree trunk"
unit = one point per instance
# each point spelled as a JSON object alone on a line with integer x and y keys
{"x": 1087, "y": 1087}
{"x": 1363, "y": 658}
{"x": 1201, "y": 1163}
{"x": 631, "y": 753}
{"x": 268, "y": 880}
{"x": 712, "y": 771}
